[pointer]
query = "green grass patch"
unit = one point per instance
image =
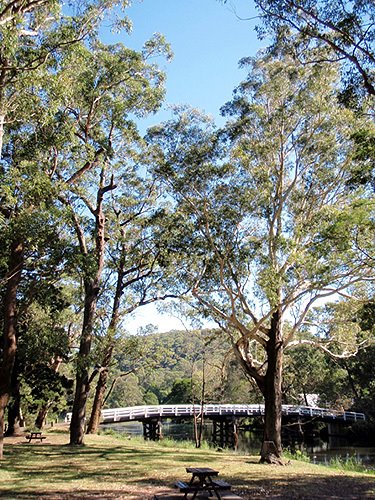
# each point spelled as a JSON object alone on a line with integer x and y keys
{"x": 109, "y": 467}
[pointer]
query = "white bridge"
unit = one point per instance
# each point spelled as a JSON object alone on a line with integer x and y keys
{"x": 144, "y": 413}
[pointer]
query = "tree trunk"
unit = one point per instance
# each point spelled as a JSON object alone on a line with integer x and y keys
{"x": 201, "y": 422}
{"x": 270, "y": 385}
{"x": 96, "y": 411}
{"x": 2, "y": 121}
{"x": 101, "y": 386}
{"x": 196, "y": 417}
{"x": 92, "y": 288}
{"x": 42, "y": 415}
{"x": 16, "y": 259}
{"x": 77, "y": 425}
{"x": 271, "y": 447}
{"x": 15, "y": 420}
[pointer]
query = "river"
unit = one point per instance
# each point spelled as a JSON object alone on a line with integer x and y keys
{"x": 319, "y": 451}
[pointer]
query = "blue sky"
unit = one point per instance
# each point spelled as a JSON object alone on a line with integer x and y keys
{"x": 208, "y": 40}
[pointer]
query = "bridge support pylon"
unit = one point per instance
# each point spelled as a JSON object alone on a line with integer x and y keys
{"x": 225, "y": 432}
{"x": 334, "y": 429}
{"x": 152, "y": 429}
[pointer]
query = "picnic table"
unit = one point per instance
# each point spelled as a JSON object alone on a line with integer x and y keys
{"x": 203, "y": 479}
{"x": 35, "y": 435}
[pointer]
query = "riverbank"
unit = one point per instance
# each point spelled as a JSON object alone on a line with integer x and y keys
{"x": 108, "y": 467}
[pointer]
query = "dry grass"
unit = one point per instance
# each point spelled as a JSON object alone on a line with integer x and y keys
{"x": 109, "y": 467}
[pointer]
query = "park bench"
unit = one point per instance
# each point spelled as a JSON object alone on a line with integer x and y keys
{"x": 35, "y": 435}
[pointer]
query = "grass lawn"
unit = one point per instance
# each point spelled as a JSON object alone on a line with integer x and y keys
{"x": 108, "y": 467}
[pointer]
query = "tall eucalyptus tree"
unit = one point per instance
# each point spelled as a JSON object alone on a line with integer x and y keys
{"x": 103, "y": 89}
{"x": 273, "y": 226}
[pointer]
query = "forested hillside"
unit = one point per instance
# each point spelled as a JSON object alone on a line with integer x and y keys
{"x": 172, "y": 367}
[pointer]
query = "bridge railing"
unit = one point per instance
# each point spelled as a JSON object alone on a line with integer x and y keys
{"x": 142, "y": 412}
{"x": 322, "y": 413}
{"x": 170, "y": 411}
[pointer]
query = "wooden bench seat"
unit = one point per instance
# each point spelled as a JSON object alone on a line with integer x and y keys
{"x": 185, "y": 488}
{"x": 221, "y": 485}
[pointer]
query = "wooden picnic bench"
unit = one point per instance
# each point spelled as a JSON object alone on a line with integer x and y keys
{"x": 35, "y": 435}
{"x": 203, "y": 480}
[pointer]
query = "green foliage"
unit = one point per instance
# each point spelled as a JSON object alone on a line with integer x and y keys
{"x": 43, "y": 344}
{"x": 366, "y": 316}
{"x": 304, "y": 373}
{"x": 363, "y": 174}
{"x": 40, "y": 385}
{"x": 341, "y": 382}
{"x": 181, "y": 392}
{"x": 297, "y": 455}
{"x": 265, "y": 201}
{"x": 330, "y": 30}
{"x": 359, "y": 370}
{"x": 350, "y": 464}
{"x": 150, "y": 398}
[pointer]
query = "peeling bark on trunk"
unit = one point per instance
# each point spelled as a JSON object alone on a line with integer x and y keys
{"x": 77, "y": 425}
{"x": 96, "y": 412}
{"x": 16, "y": 260}
{"x": 273, "y": 393}
{"x": 270, "y": 385}
{"x": 101, "y": 386}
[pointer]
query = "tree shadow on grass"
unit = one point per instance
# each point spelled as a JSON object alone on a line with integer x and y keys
{"x": 123, "y": 472}
{"x": 82, "y": 494}
{"x": 67, "y": 465}
{"x": 307, "y": 487}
